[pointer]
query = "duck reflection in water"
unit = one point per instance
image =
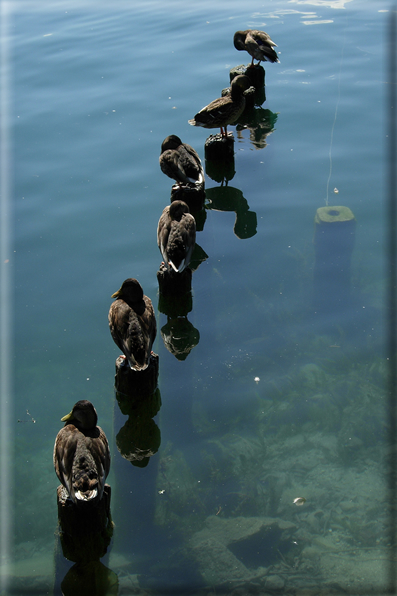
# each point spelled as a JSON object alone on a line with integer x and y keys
{"x": 227, "y": 198}
{"x": 176, "y": 236}
{"x": 132, "y": 324}
{"x": 180, "y": 337}
{"x": 138, "y": 398}
{"x": 90, "y": 579}
{"x": 260, "y": 124}
{"x": 139, "y": 438}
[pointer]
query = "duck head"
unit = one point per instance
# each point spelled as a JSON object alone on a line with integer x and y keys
{"x": 83, "y": 415}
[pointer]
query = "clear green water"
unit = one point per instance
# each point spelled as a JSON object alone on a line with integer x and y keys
{"x": 94, "y": 90}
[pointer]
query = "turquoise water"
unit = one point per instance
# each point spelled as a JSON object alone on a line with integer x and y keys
{"x": 278, "y": 399}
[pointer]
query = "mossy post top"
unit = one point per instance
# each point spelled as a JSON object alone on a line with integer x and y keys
{"x": 333, "y": 214}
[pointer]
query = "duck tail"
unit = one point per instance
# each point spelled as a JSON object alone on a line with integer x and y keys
{"x": 181, "y": 267}
{"x": 88, "y": 495}
{"x": 200, "y": 180}
{"x": 138, "y": 367}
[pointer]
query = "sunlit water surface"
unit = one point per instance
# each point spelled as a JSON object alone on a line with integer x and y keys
{"x": 279, "y": 399}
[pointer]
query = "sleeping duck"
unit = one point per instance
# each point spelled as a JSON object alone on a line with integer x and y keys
{"x": 176, "y": 235}
{"x": 224, "y": 110}
{"x": 132, "y": 324}
{"x": 257, "y": 43}
{"x": 81, "y": 454}
{"x": 181, "y": 162}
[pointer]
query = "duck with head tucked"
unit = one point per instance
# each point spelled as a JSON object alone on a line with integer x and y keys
{"x": 81, "y": 454}
{"x": 132, "y": 324}
{"x": 181, "y": 162}
{"x": 224, "y": 110}
{"x": 257, "y": 43}
{"x": 176, "y": 235}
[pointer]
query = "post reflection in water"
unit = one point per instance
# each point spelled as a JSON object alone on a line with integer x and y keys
{"x": 139, "y": 438}
{"x": 176, "y": 301}
{"x": 91, "y": 579}
{"x": 85, "y": 534}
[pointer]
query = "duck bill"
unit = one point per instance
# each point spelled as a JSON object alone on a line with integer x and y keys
{"x": 67, "y": 417}
{"x": 116, "y": 294}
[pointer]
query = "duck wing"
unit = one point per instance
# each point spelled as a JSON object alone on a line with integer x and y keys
{"x": 217, "y": 111}
{"x": 129, "y": 334}
{"x": 91, "y": 465}
{"x": 260, "y": 46}
{"x": 172, "y": 165}
{"x": 191, "y": 163}
{"x": 163, "y": 232}
{"x": 64, "y": 452}
{"x": 181, "y": 242}
{"x": 149, "y": 324}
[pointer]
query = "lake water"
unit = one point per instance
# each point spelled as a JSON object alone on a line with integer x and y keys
{"x": 283, "y": 395}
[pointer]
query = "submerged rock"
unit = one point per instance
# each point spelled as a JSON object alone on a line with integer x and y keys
{"x": 240, "y": 549}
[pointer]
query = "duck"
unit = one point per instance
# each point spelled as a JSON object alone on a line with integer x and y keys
{"x": 81, "y": 454}
{"x": 181, "y": 162}
{"x": 257, "y": 43}
{"x": 132, "y": 324}
{"x": 176, "y": 235}
{"x": 224, "y": 110}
